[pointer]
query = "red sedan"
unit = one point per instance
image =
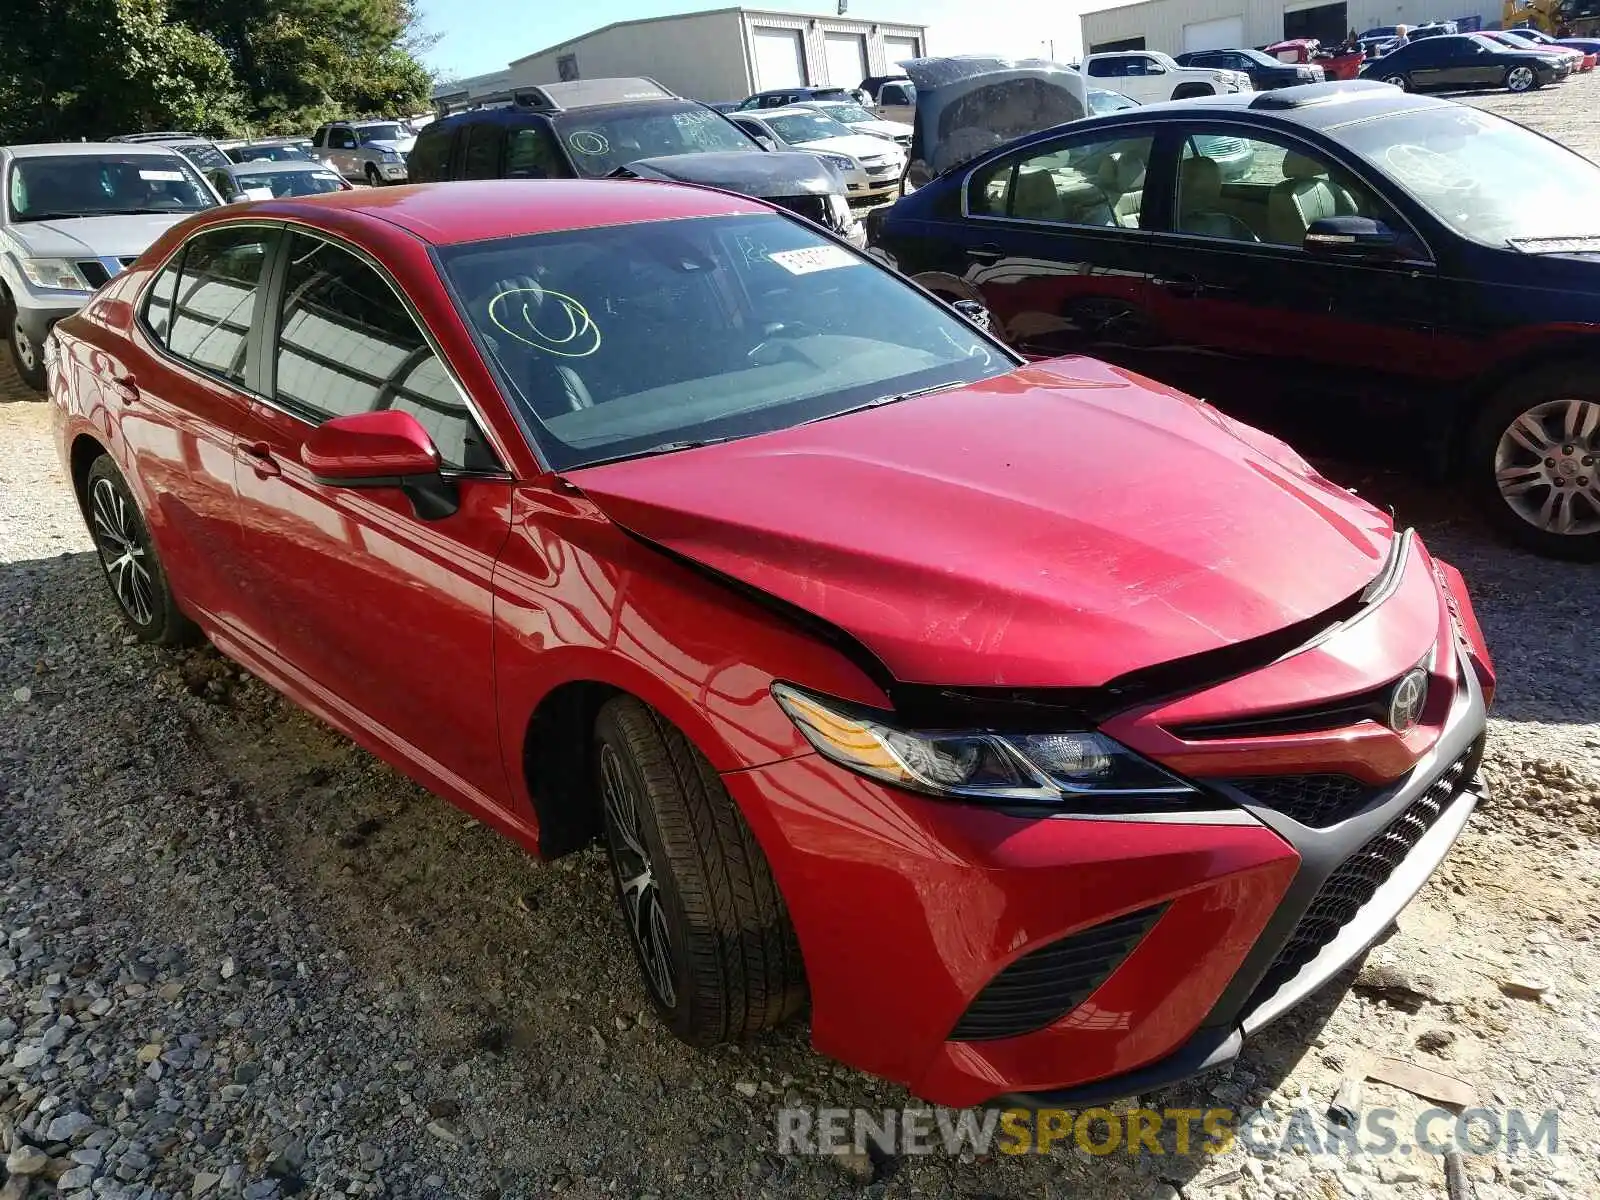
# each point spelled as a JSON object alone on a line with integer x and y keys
{"x": 1046, "y": 729}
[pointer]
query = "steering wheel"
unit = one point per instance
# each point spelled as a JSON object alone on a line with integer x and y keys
{"x": 1428, "y": 171}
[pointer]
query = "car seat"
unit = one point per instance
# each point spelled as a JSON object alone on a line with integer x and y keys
{"x": 1305, "y": 195}
{"x": 550, "y": 387}
{"x": 1199, "y": 197}
{"x": 1121, "y": 178}
{"x": 1035, "y": 197}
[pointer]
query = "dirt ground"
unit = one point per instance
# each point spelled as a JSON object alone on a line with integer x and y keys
{"x": 362, "y": 992}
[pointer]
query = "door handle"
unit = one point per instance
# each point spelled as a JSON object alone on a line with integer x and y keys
{"x": 1186, "y": 286}
{"x": 125, "y": 386}
{"x": 261, "y": 460}
{"x": 987, "y": 253}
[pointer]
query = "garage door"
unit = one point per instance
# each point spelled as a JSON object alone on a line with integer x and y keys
{"x": 1328, "y": 23}
{"x": 847, "y": 59}
{"x": 780, "y": 59}
{"x": 897, "y": 50}
{"x": 1225, "y": 33}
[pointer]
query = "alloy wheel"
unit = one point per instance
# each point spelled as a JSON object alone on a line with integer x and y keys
{"x": 1519, "y": 79}
{"x": 636, "y": 878}
{"x": 1547, "y": 467}
{"x": 123, "y": 553}
{"x": 27, "y": 356}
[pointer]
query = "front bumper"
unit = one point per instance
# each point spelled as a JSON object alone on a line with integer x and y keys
{"x": 911, "y": 910}
{"x": 392, "y": 172}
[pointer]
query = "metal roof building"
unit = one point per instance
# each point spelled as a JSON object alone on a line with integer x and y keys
{"x": 1175, "y": 26}
{"x": 728, "y": 53}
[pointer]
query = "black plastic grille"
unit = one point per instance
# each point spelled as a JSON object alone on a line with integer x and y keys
{"x": 1314, "y": 800}
{"x": 1046, "y": 984}
{"x": 94, "y": 274}
{"x": 1355, "y": 881}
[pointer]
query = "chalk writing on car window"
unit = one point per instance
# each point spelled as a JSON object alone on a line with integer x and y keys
{"x": 589, "y": 142}
{"x": 547, "y": 321}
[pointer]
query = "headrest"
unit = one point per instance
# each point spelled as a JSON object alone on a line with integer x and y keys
{"x": 1300, "y": 166}
{"x": 1201, "y": 181}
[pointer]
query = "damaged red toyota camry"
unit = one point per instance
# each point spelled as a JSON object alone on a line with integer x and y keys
{"x": 1043, "y": 728}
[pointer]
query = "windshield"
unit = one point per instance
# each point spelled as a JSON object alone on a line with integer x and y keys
{"x": 1488, "y": 179}
{"x": 797, "y": 128}
{"x": 289, "y": 183}
{"x": 91, "y": 185}
{"x": 279, "y": 153}
{"x": 618, "y": 339}
{"x": 1102, "y": 102}
{"x": 600, "y": 140}
{"x": 845, "y": 112}
{"x": 367, "y": 134}
{"x": 202, "y": 154}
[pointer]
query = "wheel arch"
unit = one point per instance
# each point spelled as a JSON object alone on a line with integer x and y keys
{"x": 1564, "y": 352}
{"x": 80, "y": 457}
{"x": 1188, "y": 91}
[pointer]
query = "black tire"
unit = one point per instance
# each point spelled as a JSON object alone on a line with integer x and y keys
{"x": 732, "y": 963}
{"x": 1542, "y": 396}
{"x": 26, "y": 355}
{"x": 373, "y": 177}
{"x": 1403, "y": 82}
{"x": 140, "y": 588}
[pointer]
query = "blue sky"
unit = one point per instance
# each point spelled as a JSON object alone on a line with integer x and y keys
{"x": 483, "y": 35}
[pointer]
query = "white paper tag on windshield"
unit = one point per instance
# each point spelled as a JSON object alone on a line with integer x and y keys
{"x": 259, "y": 193}
{"x": 814, "y": 258}
{"x": 161, "y": 176}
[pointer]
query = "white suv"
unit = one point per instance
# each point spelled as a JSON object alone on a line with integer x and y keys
{"x": 374, "y": 151}
{"x": 74, "y": 214}
{"x": 1149, "y": 76}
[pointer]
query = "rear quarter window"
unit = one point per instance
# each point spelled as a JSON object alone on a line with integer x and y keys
{"x": 430, "y": 157}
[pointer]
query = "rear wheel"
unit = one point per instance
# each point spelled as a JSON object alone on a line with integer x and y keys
{"x": 128, "y": 557}
{"x": 1521, "y": 79}
{"x": 1403, "y": 82}
{"x": 713, "y": 939}
{"x": 1534, "y": 458}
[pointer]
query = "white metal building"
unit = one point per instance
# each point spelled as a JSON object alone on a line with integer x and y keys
{"x": 1179, "y": 25}
{"x": 728, "y": 53}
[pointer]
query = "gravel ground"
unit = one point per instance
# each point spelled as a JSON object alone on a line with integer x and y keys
{"x": 240, "y": 956}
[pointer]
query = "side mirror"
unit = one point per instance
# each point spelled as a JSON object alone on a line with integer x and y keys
{"x": 1351, "y": 237}
{"x": 387, "y": 448}
{"x": 974, "y": 312}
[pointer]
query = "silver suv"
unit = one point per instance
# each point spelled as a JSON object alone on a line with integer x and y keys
{"x": 72, "y": 215}
{"x": 375, "y": 151}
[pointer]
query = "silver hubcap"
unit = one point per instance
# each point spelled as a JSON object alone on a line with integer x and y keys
{"x": 24, "y": 347}
{"x": 117, "y": 537}
{"x": 641, "y": 895}
{"x": 1521, "y": 77}
{"x": 1547, "y": 466}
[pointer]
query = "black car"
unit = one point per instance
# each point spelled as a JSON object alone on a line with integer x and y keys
{"x": 608, "y": 128}
{"x": 1465, "y": 60}
{"x": 1265, "y": 71}
{"x": 783, "y": 97}
{"x": 1420, "y": 263}
{"x": 272, "y": 150}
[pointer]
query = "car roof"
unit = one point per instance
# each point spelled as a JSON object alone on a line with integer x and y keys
{"x": 276, "y": 166}
{"x": 65, "y": 149}
{"x": 445, "y": 214}
{"x": 1313, "y": 105}
{"x": 788, "y": 110}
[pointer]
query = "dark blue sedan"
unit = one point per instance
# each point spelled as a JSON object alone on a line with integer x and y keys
{"x": 1430, "y": 266}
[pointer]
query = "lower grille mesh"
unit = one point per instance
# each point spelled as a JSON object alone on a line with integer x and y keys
{"x": 1355, "y": 881}
{"x": 1316, "y": 801}
{"x": 1046, "y": 984}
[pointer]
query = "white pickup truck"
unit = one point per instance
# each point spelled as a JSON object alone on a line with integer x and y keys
{"x": 1149, "y": 76}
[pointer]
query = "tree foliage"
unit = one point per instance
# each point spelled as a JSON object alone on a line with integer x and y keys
{"x": 93, "y": 68}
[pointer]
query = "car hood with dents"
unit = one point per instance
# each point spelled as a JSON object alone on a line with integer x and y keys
{"x": 115, "y": 236}
{"x": 398, "y": 145}
{"x": 1058, "y": 526}
{"x": 763, "y": 174}
{"x": 968, "y": 105}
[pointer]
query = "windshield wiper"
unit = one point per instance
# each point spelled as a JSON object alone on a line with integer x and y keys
{"x": 663, "y": 448}
{"x": 892, "y": 398}
{"x": 1552, "y": 242}
{"x": 138, "y": 212}
{"x": 57, "y": 216}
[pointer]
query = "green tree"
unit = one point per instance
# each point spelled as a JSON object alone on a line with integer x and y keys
{"x": 92, "y": 68}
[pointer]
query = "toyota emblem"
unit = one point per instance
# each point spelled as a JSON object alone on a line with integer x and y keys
{"x": 1407, "y": 700}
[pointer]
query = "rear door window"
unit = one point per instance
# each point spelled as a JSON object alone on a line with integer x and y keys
{"x": 216, "y": 298}
{"x": 430, "y": 157}
{"x": 482, "y": 157}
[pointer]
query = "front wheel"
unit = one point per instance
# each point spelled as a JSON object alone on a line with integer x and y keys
{"x": 128, "y": 558}
{"x": 1521, "y": 79}
{"x": 1534, "y": 456}
{"x": 719, "y": 957}
{"x": 373, "y": 178}
{"x": 26, "y": 353}
{"x": 1403, "y": 82}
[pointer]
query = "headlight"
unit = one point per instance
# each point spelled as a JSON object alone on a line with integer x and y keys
{"x": 58, "y": 273}
{"x": 1061, "y": 769}
{"x": 841, "y": 161}
{"x": 390, "y": 155}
